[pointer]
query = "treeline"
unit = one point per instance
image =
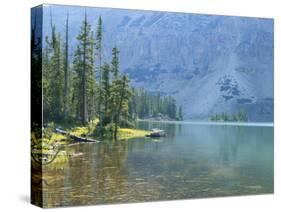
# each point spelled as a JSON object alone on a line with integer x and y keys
{"x": 145, "y": 105}
{"x": 240, "y": 116}
{"x": 85, "y": 88}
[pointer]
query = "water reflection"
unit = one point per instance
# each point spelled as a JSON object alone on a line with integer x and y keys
{"x": 193, "y": 161}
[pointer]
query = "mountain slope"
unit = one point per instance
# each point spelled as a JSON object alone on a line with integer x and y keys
{"x": 210, "y": 64}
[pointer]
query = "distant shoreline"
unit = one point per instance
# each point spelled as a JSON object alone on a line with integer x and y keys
{"x": 250, "y": 124}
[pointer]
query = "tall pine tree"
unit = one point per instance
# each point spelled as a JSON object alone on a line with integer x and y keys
{"x": 83, "y": 64}
{"x": 124, "y": 95}
{"x": 99, "y": 39}
{"x": 66, "y": 72}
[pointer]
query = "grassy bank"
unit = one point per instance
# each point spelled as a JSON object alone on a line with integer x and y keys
{"x": 123, "y": 133}
{"x": 52, "y": 142}
{"x": 51, "y": 138}
{"x": 126, "y": 133}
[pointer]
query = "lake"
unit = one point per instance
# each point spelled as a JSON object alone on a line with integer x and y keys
{"x": 193, "y": 161}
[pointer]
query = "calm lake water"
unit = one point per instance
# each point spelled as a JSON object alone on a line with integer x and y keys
{"x": 193, "y": 161}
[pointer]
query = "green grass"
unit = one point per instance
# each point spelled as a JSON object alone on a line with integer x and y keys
{"x": 48, "y": 144}
{"x": 79, "y": 131}
{"x": 126, "y": 133}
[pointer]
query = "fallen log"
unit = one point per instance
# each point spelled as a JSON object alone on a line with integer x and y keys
{"x": 75, "y": 137}
{"x": 61, "y": 131}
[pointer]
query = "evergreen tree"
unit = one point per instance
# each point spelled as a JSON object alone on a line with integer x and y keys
{"x": 122, "y": 107}
{"x": 66, "y": 72}
{"x": 148, "y": 105}
{"x": 115, "y": 80}
{"x": 56, "y": 76}
{"x": 72, "y": 93}
{"x": 46, "y": 80}
{"x": 180, "y": 117}
{"x": 115, "y": 62}
{"x": 172, "y": 109}
{"x": 83, "y": 63}
{"x": 105, "y": 94}
{"x": 92, "y": 83}
{"x": 99, "y": 39}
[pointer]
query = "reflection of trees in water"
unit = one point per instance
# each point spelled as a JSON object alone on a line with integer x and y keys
{"x": 37, "y": 184}
{"x": 110, "y": 172}
{"x": 54, "y": 176}
{"x": 179, "y": 127}
{"x": 228, "y": 145}
{"x": 212, "y": 157}
{"x": 48, "y": 181}
{"x": 237, "y": 140}
{"x": 242, "y": 155}
{"x": 53, "y": 191}
{"x": 97, "y": 176}
{"x": 79, "y": 178}
{"x": 170, "y": 129}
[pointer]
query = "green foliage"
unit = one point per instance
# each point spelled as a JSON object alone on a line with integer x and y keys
{"x": 105, "y": 94}
{"x": 145, "y": 104}
{"x": 99, "y": 35}
{"x": 98, "y": 48}
{"x": 92, "y": 124}
{"x": 115, "y": 62}
{"x": 66, "y": 74}
{"x": 79, "y": 131}
{"x": 97, "y": 96}
{"x": 52, "y": 77}
{"x": 84, "y": 68}
{"x": 180, "y": 116}
{"x": 240, "y": 116}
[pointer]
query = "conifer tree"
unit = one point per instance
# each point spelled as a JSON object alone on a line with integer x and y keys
{"x": 105, "y": 94}
{"x": 180, "y": 117}
{"x": 83, "y": 63}
{"x": 122, "y": 107}
{"x": 115, "y": 80}
{"x": 66, "y": 72}
{"x": 115, "y": 62}
{"x": 99, "y": 39}
{"x": 56, "y": 76}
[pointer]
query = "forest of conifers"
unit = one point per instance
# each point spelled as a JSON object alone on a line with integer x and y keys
{"x": 85, "y": 87}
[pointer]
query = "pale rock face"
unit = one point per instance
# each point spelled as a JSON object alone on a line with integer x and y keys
{"x": 210, "y": 64}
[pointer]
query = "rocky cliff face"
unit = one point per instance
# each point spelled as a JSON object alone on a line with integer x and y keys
{"x": 210, "y": 64}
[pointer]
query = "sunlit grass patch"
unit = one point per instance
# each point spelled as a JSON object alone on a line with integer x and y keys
{"x": 57, "y": 137}
{"x": 79, "y": 131}
{"x": 127, "y": 133}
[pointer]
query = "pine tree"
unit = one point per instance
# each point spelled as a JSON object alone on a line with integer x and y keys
{"x": 99, "y": 39}
{"x": 56, "y": 76}
{"x": 133, "y": 105}
{"x": 180, "y": 117}
{"x": 91, "y": 81}
{"x": 66, "y": 72}
{"x": 46, "y": 80}
{"x": 115, "y": 80}
{"x": 83, "y": 63}
{"x": 105, "y": 94}
{"x": 115, "y": 62}
{"x": 146, "y": 104}
{"x": 122, "y": 107}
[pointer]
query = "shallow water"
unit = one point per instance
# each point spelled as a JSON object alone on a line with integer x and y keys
{"x": 193, "y": 161}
